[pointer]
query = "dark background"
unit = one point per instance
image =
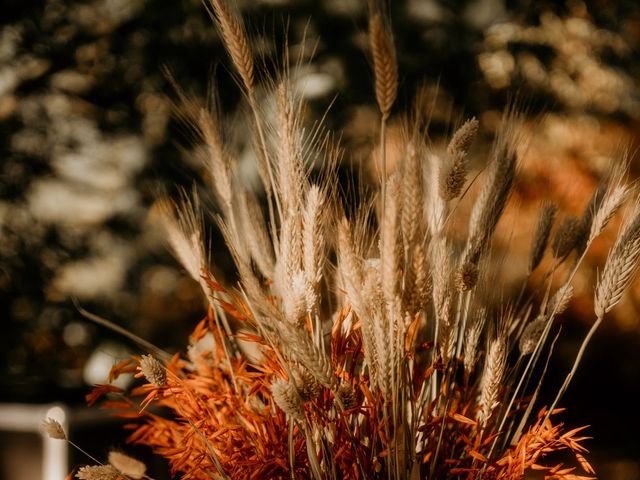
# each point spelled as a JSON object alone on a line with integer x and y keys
{"x": 87, "y": 143}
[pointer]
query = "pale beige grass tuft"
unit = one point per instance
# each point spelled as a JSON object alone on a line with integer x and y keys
{"x": 127, "y": 465}
{"x": 287, "y": 398}
{"x": 98, "y": 472}
{"x": 153, "y": 370}
{"x": 53, "y": 429}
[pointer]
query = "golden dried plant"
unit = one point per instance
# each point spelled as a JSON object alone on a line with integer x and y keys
{"x": 372, "y": 344}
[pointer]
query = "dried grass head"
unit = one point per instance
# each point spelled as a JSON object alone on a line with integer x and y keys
{"x": 382, "y": 342}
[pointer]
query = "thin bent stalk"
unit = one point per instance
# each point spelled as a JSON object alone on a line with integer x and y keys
{"x": 576, "y": 362}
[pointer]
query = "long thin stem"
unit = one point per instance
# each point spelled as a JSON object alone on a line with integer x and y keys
{"x": 122, "y": 331}
{"x": 534, "y": 357}
{"x": 265, "y": 158}
{"x": 383, "y": 161}
{"x": 463, "y": 326}
{"x": 292, "y": 452}
{"x": 83, "y": 452}
{"x": 576, "y": 362}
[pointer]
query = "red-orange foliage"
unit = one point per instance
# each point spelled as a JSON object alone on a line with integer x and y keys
{"x": 209, "y": 419}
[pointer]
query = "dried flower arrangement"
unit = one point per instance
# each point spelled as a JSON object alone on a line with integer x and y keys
{"x": 362, "y": 341}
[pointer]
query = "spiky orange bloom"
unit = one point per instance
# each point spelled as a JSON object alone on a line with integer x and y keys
{"x": 209, "y": 420}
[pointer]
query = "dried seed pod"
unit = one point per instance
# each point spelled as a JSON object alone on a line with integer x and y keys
{"x": 153, "y": 370}
{"x": 530, "y": 336}
{"x": 568, "y": 236}
{"x": 463, "y": 138}
{"x": 127, "y": 465}
{"x": 466, "y": 277}
{"x": 53, "y": 429}
{"x": 453, "y": 179}
{"x": 560, "y": 300}
{"x": 472, "y": 339}
{"x": 446, "y": 335}
{"x": 98, "y": 472}
{"x": 346, "y": 395}
{"x": 307, "y": 385}
{"x": 541, "y": 236}
{"x": 288, "y": 399}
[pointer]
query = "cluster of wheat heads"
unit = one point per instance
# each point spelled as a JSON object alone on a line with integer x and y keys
{"x": 365, "y": 341}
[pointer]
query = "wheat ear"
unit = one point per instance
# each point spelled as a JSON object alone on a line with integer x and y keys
{"x": 472, "y": 339}
{"x": 453, "y": 179}
{"x": 384, "y": 61}
{"x": 236, "y": 40}
{"x": 217, "y": 160}
{"x": 441, "y": 275}
{"x": 412, "y": 197}
{"x": 568, "y": 236}
{"x": 463, "y": 138}
{"x": 289, "y": 260}
{"x": 299, "y": 347}
{"x": 622, "y": 263}
{"x": 615, "y": 195}
{"x": 289, "y": 162}
{"x": 493, "y": 198}
{"x": 184, "y": 234}
{"x": 491, "y": 383}
{"x": 363, "y": 291}
{"x": 417, "y": 283}
{"x": 385, "y": 72}
{"x": 255, "y": 233}
{"x": 541, "y": 235}
{"x": 390, "y": 242}
{"x": 313, "y": 242}
{"x": 436, "y": 206}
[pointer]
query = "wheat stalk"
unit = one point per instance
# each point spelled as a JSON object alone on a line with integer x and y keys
{"x": 412, "y": 197}
{"x": 472, "y": 340}
{"x": 313, "y": 243}
{"x": 184, "y": 234}
{"x": 494, "y": 369}
{"x": 390, "y": 241}
{"x": 255, "y": 234}
{"x": 385, "y": 339}
{"x": 289, "y": 166}
{"x": 568, "y": 236}
{"x": 493, "y": 197}
{"x": 235, "y": 40}
{"x": 453, "y": 179}
{"x": 541, "y": 235}
{"x": 621, "y": 265}
{"x": 384, "y": 61}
